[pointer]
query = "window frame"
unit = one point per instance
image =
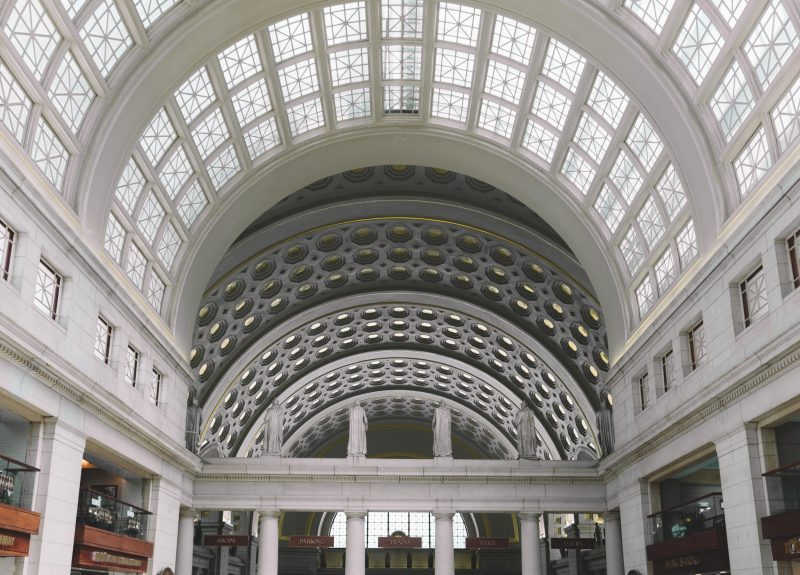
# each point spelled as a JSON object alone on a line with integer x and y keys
{"x": 642, "y": 384}
{"x": 5, "y": 262}
{"x": 747, "y": 315}
{"x": 132, "y": 370}
{"x": 695, "y": 359}
{"x": 666, "y": 383}
{"x": 793, "y": 252}
{"x": 103, "y": 355}
{"x": 58, "y": 280}
{"x": 157, "y": 378}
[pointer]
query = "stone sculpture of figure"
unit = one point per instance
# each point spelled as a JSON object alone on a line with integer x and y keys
{"x": 442, "y": 442}
{"x": 525, "y": 421}
{"x": 357, "y": 443}
{"x": 193, "y": 415}
{"x": 605, "y": 424}
{"x": 273, "y": 429}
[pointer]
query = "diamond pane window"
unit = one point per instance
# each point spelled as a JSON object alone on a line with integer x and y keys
{"x": 240, "y": 61}
{"x": 625, "y": 176}
{"x": 687, "y": 244}
{"x": 670, "y": 189}
{"x": 551, "y": 105}
{"x": 131, "y": 366}
{"x": 578, "y": 171}
{"x": 632, "y": 250}
{"x": 563, "y": 64}
{"x": 645, "y": 296}
{"x": 262, "y": 138}
{"x": 299, "y": 79}
{"x": 352, "y": 104}
{"x": 102, "y": 340}
{"x": 592, "y": 137}
{"x": 157, "y": 137}
{"x": 135, "y": 266}
{"x": 195, "y": 94}
{"x": 753, "y": 291}
{"x": 401, "y": 99}
{"x": 644, "y": 142}
{"x": 33, "y": 34}
{"x": 291, "y": 37}
{"x": 169, "y": 245}
{"x": 151, "y": 10}
{"x": 786, "y": 117}
{"x": 73, "y": 7}
{"x": 106, "y": 36}
{"x": 730, "y": 10}
{"x": 653, "y": 13}
{"x": 251, "y": 102}
{"x": 70, "y": 92}
{"x": 497, "y": 118}
{"x": 609, "y": 209}
{"x": 349, "y": 66}
{"x": 7, "y": 236}
{"x": 222, "y": 168}
{"x": 513, "y": 40}
{"x": 15, "y": 106}
{"x": 115, "y": 238}
{"x": 650, "y": 222}
{"x": 698, "y": 44}
{"x": 155, "y": 292}
{"x": 458, "y": 23}
{"x": 453, "y": 67}
{"x": 732, "y": 101}
{"x": 305, "y": 117}
{"x": 155, "y": 386}
{"x": 667, "y": 371}
{"x": 450, "y": 105}
{"x": 345, "y": 23}
{"x": 608, "y": 100}
{"x": 191, "y": 204}
{"x": 175, "y": 172}
{"x": 772, "y": 41}
{"x": 47, "y": 294}
{"x": 49, "y": 153}
{"x": 401, "y": 18}
{"x": 665, "y": 270}
{"x": 402, "y": 62}
{"x": 150, "y": 217}
{"x": 130, "y": 185}
{"x": 210, "y": 133}
{"x": 540, "y": 140}
{"x": 753, "y": 162}
{"x": 697, "y": 345}
{"x": 505, "y": 82}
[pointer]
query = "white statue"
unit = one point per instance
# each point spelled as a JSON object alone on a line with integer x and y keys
{"x": 525, "y": 420}
{"x": 442, "y": 442}
{"x": 273, "y": 429}
{"x": 357, "y": 443}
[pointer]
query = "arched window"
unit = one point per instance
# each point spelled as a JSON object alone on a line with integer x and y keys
{"x": 384, "y": 524}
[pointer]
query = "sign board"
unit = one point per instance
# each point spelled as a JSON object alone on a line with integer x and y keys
{"x": 402, "y": 542}
{"x": 86, "y": 557}
{"x": 226, "y": 540}
{"x": 14, "y": 544}
{"x": 786, "y": 549}
{"x": 571, "y": 543}
{"x": 310, "y": 541}
{"x": 487, "y": 543}
{"x": 700, "y": 562}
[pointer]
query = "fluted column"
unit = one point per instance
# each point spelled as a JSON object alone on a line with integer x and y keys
{"x": 529, "y": 541}
{"x": 355, "y": 543}
{"x": 185, "y": 555}
{"x": 444, "y": 561}
{"x": 268, "y": 542}
{"x": 614, "y": 564}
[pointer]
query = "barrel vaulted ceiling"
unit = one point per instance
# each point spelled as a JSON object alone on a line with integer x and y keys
{"x": 166, "y": 125}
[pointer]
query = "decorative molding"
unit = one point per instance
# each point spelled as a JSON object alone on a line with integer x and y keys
{"x": 427, "y": 479}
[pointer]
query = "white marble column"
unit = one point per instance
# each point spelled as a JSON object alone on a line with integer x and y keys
{"x": 745, "y": 501}
{"x": 529, "y": 542}
{"x": 614, "y": 564}
{"x": 355, "y": 543}
{"x": 185, "y": 555}
{"x": 56, "y": 498}
{"x": 268, "y": 542}
{"x": 444, "y": 560}
{"x": 164, "y": 524}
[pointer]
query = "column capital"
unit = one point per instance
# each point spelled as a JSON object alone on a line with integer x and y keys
{"x": 269, "y": 513}
{"x": 611, "y": 516}
{"x": 442, "y": 516}
{"x": 187, "y": 512}
{"x": 355, "y": 514}
{"x": 528, "y": 516}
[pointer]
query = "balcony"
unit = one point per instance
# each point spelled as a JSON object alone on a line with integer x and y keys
{"x": 782, "y": 526}
{"x": 17, "y": 521}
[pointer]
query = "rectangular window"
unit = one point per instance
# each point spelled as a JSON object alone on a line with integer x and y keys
{"x": 697, "y": 345}
{"x": 667, "y": 371}
{"x": 155, "y": 386}
{"x": 102, "y": 342}
{"x": 644, "y": 392}
{"x": 131, "y": 366}
{"x": 6, "y": 245}
{"x": 754, "y": 296}
{"x": 48, "y": 289}
{"x": 794, "y": 257}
